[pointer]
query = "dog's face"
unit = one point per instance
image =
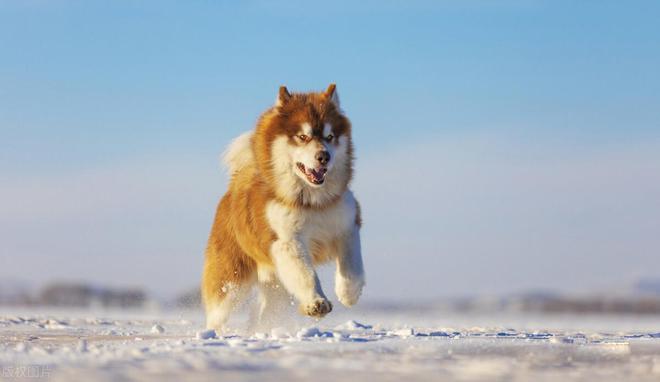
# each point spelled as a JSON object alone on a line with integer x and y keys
{"x": 313, "y": 152}
{"x": 309, "y": 144}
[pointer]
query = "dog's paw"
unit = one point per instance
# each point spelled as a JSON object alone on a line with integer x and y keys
{"x": 348, "y": 291}
{"x": 317, "y": 308}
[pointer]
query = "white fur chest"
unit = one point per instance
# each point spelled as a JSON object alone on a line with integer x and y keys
{"x": 312, "y": 225}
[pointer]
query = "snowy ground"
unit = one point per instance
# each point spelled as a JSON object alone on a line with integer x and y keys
{"x": 379, "y": 344}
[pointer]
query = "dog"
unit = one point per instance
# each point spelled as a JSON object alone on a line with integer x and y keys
{"x": 288, "y": 209}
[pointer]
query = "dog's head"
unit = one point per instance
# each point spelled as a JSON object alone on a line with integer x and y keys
{"x": 304, "y": 145}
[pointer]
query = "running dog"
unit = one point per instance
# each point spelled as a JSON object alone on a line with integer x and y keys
{"x": 288, "y": 209}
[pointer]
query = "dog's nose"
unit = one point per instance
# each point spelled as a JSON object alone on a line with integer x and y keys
{"x": 323, "y": 157}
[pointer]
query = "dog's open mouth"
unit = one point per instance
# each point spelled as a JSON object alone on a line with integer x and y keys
{"x": 314, "y": 176}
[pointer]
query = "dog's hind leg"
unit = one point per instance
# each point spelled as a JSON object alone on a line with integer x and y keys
{"x": 349, "y": 277}
{"x": 220, "y": 308}
{"x": 226, "y": 282}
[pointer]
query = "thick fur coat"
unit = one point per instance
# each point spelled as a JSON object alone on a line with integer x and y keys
{"x": 288, "y": 208}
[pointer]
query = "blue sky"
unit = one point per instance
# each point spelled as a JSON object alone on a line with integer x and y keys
{"x": 501, "y": 138}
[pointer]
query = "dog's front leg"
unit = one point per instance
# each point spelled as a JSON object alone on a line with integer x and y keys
{"x": 296, "y": 272}
{"x": 349, "y": 277}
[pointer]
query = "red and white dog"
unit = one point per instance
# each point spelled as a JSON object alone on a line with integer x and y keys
{"x": 287, "y": 210}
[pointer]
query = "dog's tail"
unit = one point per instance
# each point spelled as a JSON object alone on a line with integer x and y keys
{"x": 239, "y": 153}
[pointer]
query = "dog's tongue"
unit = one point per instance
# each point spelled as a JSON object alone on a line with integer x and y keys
{"x": 317, "y": 174}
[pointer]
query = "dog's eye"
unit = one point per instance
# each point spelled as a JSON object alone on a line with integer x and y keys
{"x": 329, "y": 138}
{"x": 303, "y": 137}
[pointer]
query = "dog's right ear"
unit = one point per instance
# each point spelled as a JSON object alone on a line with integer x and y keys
{"x": 282, "y": 97}
{"x": 331, "y": 94}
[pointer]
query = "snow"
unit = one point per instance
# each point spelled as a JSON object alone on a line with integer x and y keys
{"x": 404, "y": 332}
{"x": 356, "y": 344}
{"x": 312, "y": 332}
{"x": 351, "y": 325}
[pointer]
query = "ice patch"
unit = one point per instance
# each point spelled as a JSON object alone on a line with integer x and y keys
{"x": 206, "y": 334}
{"x": 538, "y": 336}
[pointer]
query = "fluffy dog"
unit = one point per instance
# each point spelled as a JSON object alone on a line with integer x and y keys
{"x": 287, "y": 210}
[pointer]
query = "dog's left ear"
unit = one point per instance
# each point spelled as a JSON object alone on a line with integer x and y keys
{"x": 332, "y": 95}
